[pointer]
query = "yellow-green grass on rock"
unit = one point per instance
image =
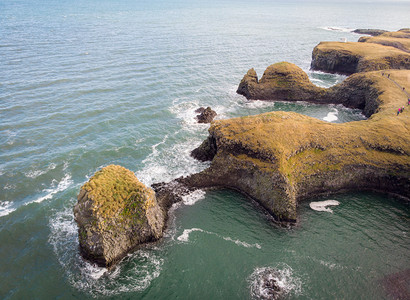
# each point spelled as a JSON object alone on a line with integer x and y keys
{"x": 280, "y": 158}
{"x": 349, "y": 58}
{"x": 402, "y": 44}
{"x": 115, "y": 213}
{"x": 386, "y": 51}
{"x": 280, "y": 81}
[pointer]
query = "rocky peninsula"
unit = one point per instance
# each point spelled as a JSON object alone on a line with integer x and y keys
{"x": 281, "y": 158}
{"x": 386, "y": 51}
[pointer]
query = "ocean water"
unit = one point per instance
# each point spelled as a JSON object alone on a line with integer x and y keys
{"x": 84, "y": 84}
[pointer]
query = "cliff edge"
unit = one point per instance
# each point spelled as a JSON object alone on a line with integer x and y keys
{"x": 386, "y": 51}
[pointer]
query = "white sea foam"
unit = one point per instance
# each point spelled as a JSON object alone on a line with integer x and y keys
{"x": 172, "y": 162}
{"x": 336, "y": 28}
{"x": 9, "y": 186}
{"x": 332, "y": 115}
{"x": 6, "y": 208}
{"x": 283, "y": 276}
{"x": 184, "y": 237}
{"x": 243, "y": 244}
{"x": 193, "y": 197}
{"x": 50, "y": 192}
{"x": 35, "y": 173}
{"x": 132, "y": 275}
{"x": 321, "y": 205}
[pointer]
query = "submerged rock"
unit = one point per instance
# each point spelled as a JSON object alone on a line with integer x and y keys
{"x": 206, "y": 115}
{"x": 265, "y": 284}
{"x": 115, "y": 213}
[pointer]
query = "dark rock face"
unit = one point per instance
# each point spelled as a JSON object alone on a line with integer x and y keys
{"x": 334, "y": 61}
{"x": 206, "y": 151}
{"x": 372, "y": 32}
{"x": 206, "y": 115}
{"x": 115, "y": 213}
{"x": 349, "y": 58}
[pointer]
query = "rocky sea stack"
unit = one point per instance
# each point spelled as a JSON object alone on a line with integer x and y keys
{"x": 115, "y": 213}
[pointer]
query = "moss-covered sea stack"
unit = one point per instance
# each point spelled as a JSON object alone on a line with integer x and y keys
{"x": 115, "y": 213}
{"x": 280, "y": 81}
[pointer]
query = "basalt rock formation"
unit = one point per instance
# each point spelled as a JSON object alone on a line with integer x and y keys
{"x": 280, "y": 81}
{"x": 280, "y": 158}
{"x": 288, "y": 82}
{"x": 385, "y": 51}
{"x": 115, "y": 213}
{"x": 206, "y": 115}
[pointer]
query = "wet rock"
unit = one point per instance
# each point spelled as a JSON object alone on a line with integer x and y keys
{"x": 115, "y": 213}
{"x": 206, "y": 115}
{"x": 266, "y": 285}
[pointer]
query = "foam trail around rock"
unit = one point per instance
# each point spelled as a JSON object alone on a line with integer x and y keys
{"x": 184, "y": 237}
{"x": 282, "y": 274}
{"x": 322, "y": 205}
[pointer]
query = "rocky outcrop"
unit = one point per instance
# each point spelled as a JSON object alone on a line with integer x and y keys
{"x": 349, "y": 58}
{"x": 286, "y": 81}
{"x": 372, "y": 32}
{"x": 386, "y": 51}
{"x": 206, "y": 115}
{"x": 115, "y": 213}
{"x": 280, "y": 81}
{"x": 280, "y": 158}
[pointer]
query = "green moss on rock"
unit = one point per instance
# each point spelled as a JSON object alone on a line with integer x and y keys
{"x": 115, "y": 213}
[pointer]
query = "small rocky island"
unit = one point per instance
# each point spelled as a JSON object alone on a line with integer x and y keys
{"x": 115, "y": 213}
{"x": 277, "y": 158}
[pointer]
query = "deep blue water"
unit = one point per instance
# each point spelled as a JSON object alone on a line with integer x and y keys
{"x": 84, "y": 84}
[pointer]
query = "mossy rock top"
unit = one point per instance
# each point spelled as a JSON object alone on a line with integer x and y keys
{"x": 116, "y": 190}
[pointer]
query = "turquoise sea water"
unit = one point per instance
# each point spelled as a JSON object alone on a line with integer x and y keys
{"x": 84, "y": 84}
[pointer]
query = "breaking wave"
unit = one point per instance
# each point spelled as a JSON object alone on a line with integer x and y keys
{"x": 56, "y": 188}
